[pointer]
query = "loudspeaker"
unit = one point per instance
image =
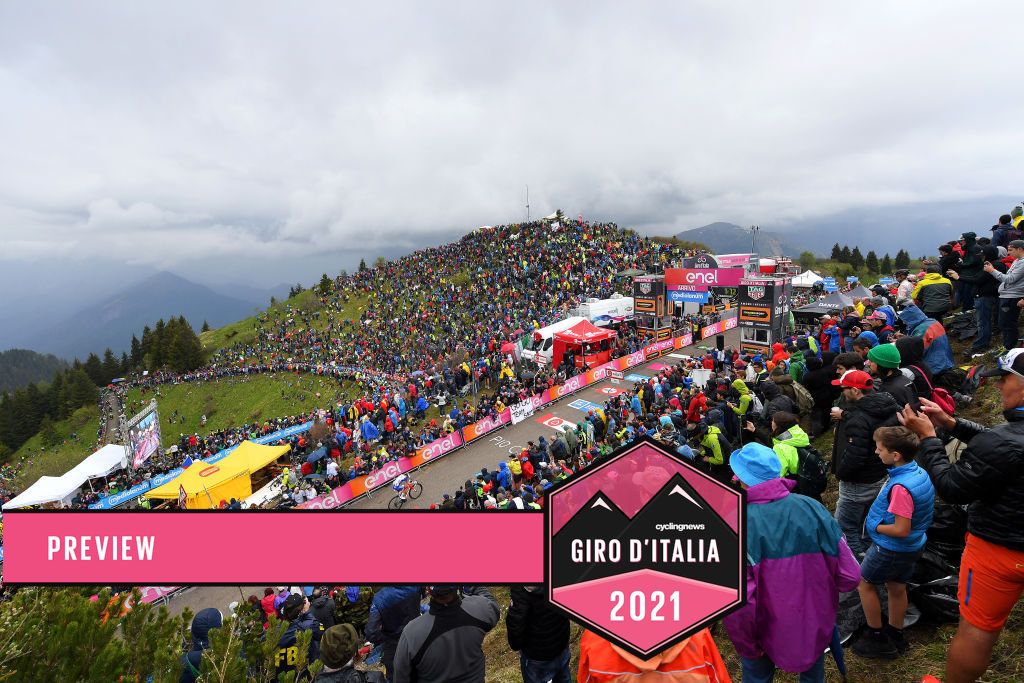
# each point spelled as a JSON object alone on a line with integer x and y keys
{"x": 720, "y": 342}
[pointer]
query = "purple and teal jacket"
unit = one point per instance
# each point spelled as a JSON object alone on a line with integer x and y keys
{"x": 797, "y": 564}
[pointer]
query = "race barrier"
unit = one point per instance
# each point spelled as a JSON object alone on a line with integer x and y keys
{"x": 721, "y": 326}
{"x": 117, "y": 499}
{"x": 364, "y": 485}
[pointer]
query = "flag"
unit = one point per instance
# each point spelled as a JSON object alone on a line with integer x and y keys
{"x": 182, "y": 496}
{"x": 188, "y": 462}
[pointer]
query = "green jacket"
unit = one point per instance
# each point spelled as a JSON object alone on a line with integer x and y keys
{"x": 712, "y": 446}
{"x": 797, "y": 366}
{"x": 744, "y": 404}
{"x": 785, "y": 446}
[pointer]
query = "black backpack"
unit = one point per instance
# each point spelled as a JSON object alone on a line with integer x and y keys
{"x": 811, "y": 474}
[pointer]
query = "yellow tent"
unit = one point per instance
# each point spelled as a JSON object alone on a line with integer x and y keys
{"x": 207, "y": 485}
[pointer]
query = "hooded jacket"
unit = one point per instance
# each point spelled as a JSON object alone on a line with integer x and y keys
{"x": 504, "y": 475}
{"x": 785, "y": 446}
{"x": 972, "y": 260}
{"x": 989, "y": 476}
{"x": 287, "y": 647}
{"x": 913, "y": 366}
{"x": 743, "y": 407}
{"x": 392, "y": 608}
{"x": 818, "y": 380}
{"x": 695, "y": 660}
{"x": 938, "y": 354}
{"x": 535, "y": 627}
{"x": 854, "y": 449}
{"x": 202, "y": 623}
{"x": 323, "y": 609}
{"x": 934, "y": 293}
{"x": 791, "y": 541}
{"x": 775, "y": 401}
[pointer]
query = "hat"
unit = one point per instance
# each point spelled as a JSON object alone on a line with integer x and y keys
{"x": 1016, "y": 244}
{"x": 878, "y": 315}
{"x": 1011, "y": 363}
{"x": 292, "y": 606}
{"x": 855, "y": 379}
{"x": 757, "y": 360}
{"x": 338, "y": 645}
{"x": 755, "y": 464}
{"x": 885, "y": 356}
{"x": 443, "y": 590}
{"x": 826, "y": 317}
{"x": 934, "y": 268}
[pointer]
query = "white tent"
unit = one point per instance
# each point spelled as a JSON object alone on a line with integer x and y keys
{"x": 806, "y": 279}
{"x": 62, "y": 489}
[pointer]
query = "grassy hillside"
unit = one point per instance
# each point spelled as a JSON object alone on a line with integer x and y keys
{"x": 54, "y": 461}
{"x": 233, "y": 401}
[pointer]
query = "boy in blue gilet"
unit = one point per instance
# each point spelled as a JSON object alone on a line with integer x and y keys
{"x": 896, "y": 523}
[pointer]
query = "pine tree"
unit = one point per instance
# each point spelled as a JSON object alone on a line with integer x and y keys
{"x": 126, "y": 364}
{"x": 81, "y": 390}
{"x": 886, "y": 265}
{"x": 47, "y": 434}
{"x": 362, "y": 265}
{"x": 206, "y": 326}
{"x": 111, "y": 367}
{"x": 380, "y": 262}
{"x": 94, "y": 368}
{"x": 158, "y": 351}
{"x": 871, "y": 262}
{"x": 837, "y": 253}
{"x": 845, "y": 255}
{"x": 902, "y": 259}
{"x": 325, "y": 285}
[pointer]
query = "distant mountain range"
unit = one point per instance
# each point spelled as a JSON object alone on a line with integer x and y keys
{"x": 21, "y": 367}
{"x": 729, "y": 238}
{"x": 112, "y": 321}
{"x": 917, "y": 227}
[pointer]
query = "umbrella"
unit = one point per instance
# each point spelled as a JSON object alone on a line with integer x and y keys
{"x": 316, "y": 455}
{"x": 508, "y": 347}
{"x": 836, "y": 647}
{"x": 313, "y": 475}
{"x": 417, "y": 373}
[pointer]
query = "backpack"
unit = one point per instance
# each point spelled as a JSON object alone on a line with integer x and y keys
{"x": 804, "y": 400}
{"x": 756, "y": 407}
{"x": 811, "y": 474}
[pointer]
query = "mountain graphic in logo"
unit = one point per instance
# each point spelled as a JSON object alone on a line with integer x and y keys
{"x": 675, "y": 532}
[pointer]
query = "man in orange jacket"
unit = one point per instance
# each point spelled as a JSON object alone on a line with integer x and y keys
{"x": 695, "y": 660}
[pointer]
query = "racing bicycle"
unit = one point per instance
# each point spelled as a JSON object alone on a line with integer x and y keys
{"x": 411, "y": 489}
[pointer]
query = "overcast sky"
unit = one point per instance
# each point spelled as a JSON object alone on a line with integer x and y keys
{"x": 255, "y": 142}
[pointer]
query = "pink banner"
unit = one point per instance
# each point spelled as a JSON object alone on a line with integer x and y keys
{"x": 211, "y": 547}
{"x": 154, "y": 593}
{"x": 719, "y": 327}
{"x": 655, "y": 349}
{"x": 702, "y": 278}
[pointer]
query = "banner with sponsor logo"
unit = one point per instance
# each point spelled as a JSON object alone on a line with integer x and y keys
{"x": 520, "y": 411}
{"x": 719, "y": 327}
{"x": 478, "y": 429}
{"x": 702, "y": 278}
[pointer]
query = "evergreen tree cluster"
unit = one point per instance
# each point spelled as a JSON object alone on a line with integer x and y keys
{"x": 173, "y": 345}
{"x": 36, "y": 407}
{"x": 19, "y": 367}
{"x": 871, "y": 262}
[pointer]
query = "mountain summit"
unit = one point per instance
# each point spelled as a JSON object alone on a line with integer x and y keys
{"x": 729, "y": 238}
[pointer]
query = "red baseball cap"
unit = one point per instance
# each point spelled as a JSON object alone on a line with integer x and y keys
{"x": 857, "y": 379}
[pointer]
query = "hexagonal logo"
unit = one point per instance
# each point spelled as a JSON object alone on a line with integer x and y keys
{"x": 646, "y": 549}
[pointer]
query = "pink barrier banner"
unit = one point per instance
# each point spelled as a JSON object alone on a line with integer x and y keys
{"x": 719, "y": 327}
{"x": 478, "y": 429}
{"x": 216, "y": 547}
{"x": 701, "y": 278}
{"x": 154, "y": 593}
{"x": 653, "y": 350}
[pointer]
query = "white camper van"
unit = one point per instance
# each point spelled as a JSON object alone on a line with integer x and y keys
{"x": 537, "y": 345}
{"x": 604, "y": 312}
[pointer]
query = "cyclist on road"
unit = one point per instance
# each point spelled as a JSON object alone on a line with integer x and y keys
{"x": 399, "y": 485}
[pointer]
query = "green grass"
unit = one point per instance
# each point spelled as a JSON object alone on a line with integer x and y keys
{"x": 54, "y": 461}
{"x": 233, "y": 401}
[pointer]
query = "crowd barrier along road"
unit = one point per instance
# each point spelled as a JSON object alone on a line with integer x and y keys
{"x": 362, "y": 486}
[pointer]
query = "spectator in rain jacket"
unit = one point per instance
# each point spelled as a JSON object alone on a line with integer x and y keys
{"x": 695, "y": 660}
{"x": 368, "y": 430}
{"x": 202, "y": 623}
{"x": 938, "y": 354}
{"x": 392, "y": 608}
{"x": 504, "y": 476}
{"x": 742, "y": 408}
{"x": 799, "y": 562}
{"x": 934, "y": 293}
